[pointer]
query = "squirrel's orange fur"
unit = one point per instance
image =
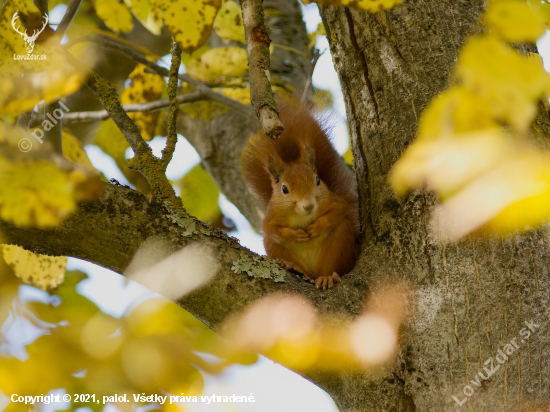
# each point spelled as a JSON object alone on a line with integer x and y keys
{"x": 311, "y": 224}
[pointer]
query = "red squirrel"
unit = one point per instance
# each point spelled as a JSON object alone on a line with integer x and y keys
{"x": 308, "y": 191}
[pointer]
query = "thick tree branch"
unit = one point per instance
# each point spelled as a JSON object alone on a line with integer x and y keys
{"x": 259, "y": 64}
{"x": 109, "y": 231}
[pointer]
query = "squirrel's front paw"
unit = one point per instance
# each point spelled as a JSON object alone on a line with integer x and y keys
{"x": 296, "y": 235}
{"x": 315, "y": 229}
{"x": 327, "y": 282}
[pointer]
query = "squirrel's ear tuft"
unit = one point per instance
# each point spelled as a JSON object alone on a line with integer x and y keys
{"x": 310, "y": 158}
{"x": 274, "y": 168}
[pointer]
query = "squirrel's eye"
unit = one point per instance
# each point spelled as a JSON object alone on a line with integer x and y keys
{"x": 285, "y": 189}
{"x": 317, "y": 180}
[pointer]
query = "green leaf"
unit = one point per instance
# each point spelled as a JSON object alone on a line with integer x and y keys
{"x": 200, "y": 194}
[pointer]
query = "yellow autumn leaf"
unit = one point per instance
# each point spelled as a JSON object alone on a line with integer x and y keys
{"x": 240, "y": 93}
{"x": 74, "y": 151}
{"x": 515, "y": 21}
{"x": 348, "y": 156}
{"x": 456, "y": 110}
{"x": 219, "y": 63}
{"x": 544, "y": 10}
{"x": 38, "y": 193}
{"x": 141, "y": 9}
{"x": 229, "y": 23}
{"x": 21, "y": 94}
{"x": 144, "y": 87}
{"x": 110, "y": 139}
{"x": 511, "y": 196}
{"x": 185, "y": 57}
{"x": 45, "y": 272}
{"x": 206, "y": 110}
{"x": 511, "y": 83}
{"x": 116, "y": 15}
{"x": 200, "y": 194}
{"x": 372, "y": 6}
{"x": 446, "y": 164}
{"x": 189, "y": 21}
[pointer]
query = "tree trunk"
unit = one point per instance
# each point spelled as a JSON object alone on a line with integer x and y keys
{"x": 471, "y": 298}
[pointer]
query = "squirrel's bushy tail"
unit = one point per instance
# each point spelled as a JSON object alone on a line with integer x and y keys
{"x": 301, "y": 129}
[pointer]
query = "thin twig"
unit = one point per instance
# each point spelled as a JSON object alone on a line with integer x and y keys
{"x": 94, "y": 116}
{"x": 42, "y": 6}
{"x": 316, "y": 56}
{"x": 54, "y": 134}
{"x": 24, "y": 119}
{"x": 67, "y": 19}
{"x": 290, "y": 49}
{"x": 150, "y": 166}
{"x": 257, "y": 44}
{"x": 207, "y": 92}
{"x": 172, "y": 135}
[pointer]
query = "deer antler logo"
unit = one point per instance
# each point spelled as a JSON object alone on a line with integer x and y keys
{"x": 29, "y": 40}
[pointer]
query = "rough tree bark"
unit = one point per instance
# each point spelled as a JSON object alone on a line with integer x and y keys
{"x": 471, "y": 298}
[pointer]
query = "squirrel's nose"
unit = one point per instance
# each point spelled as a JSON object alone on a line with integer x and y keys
{"x": 308, "y": 208}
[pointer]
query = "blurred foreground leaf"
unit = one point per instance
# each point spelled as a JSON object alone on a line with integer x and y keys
{"x": 154, "y": 348}
{"x": 473, "y": 147}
